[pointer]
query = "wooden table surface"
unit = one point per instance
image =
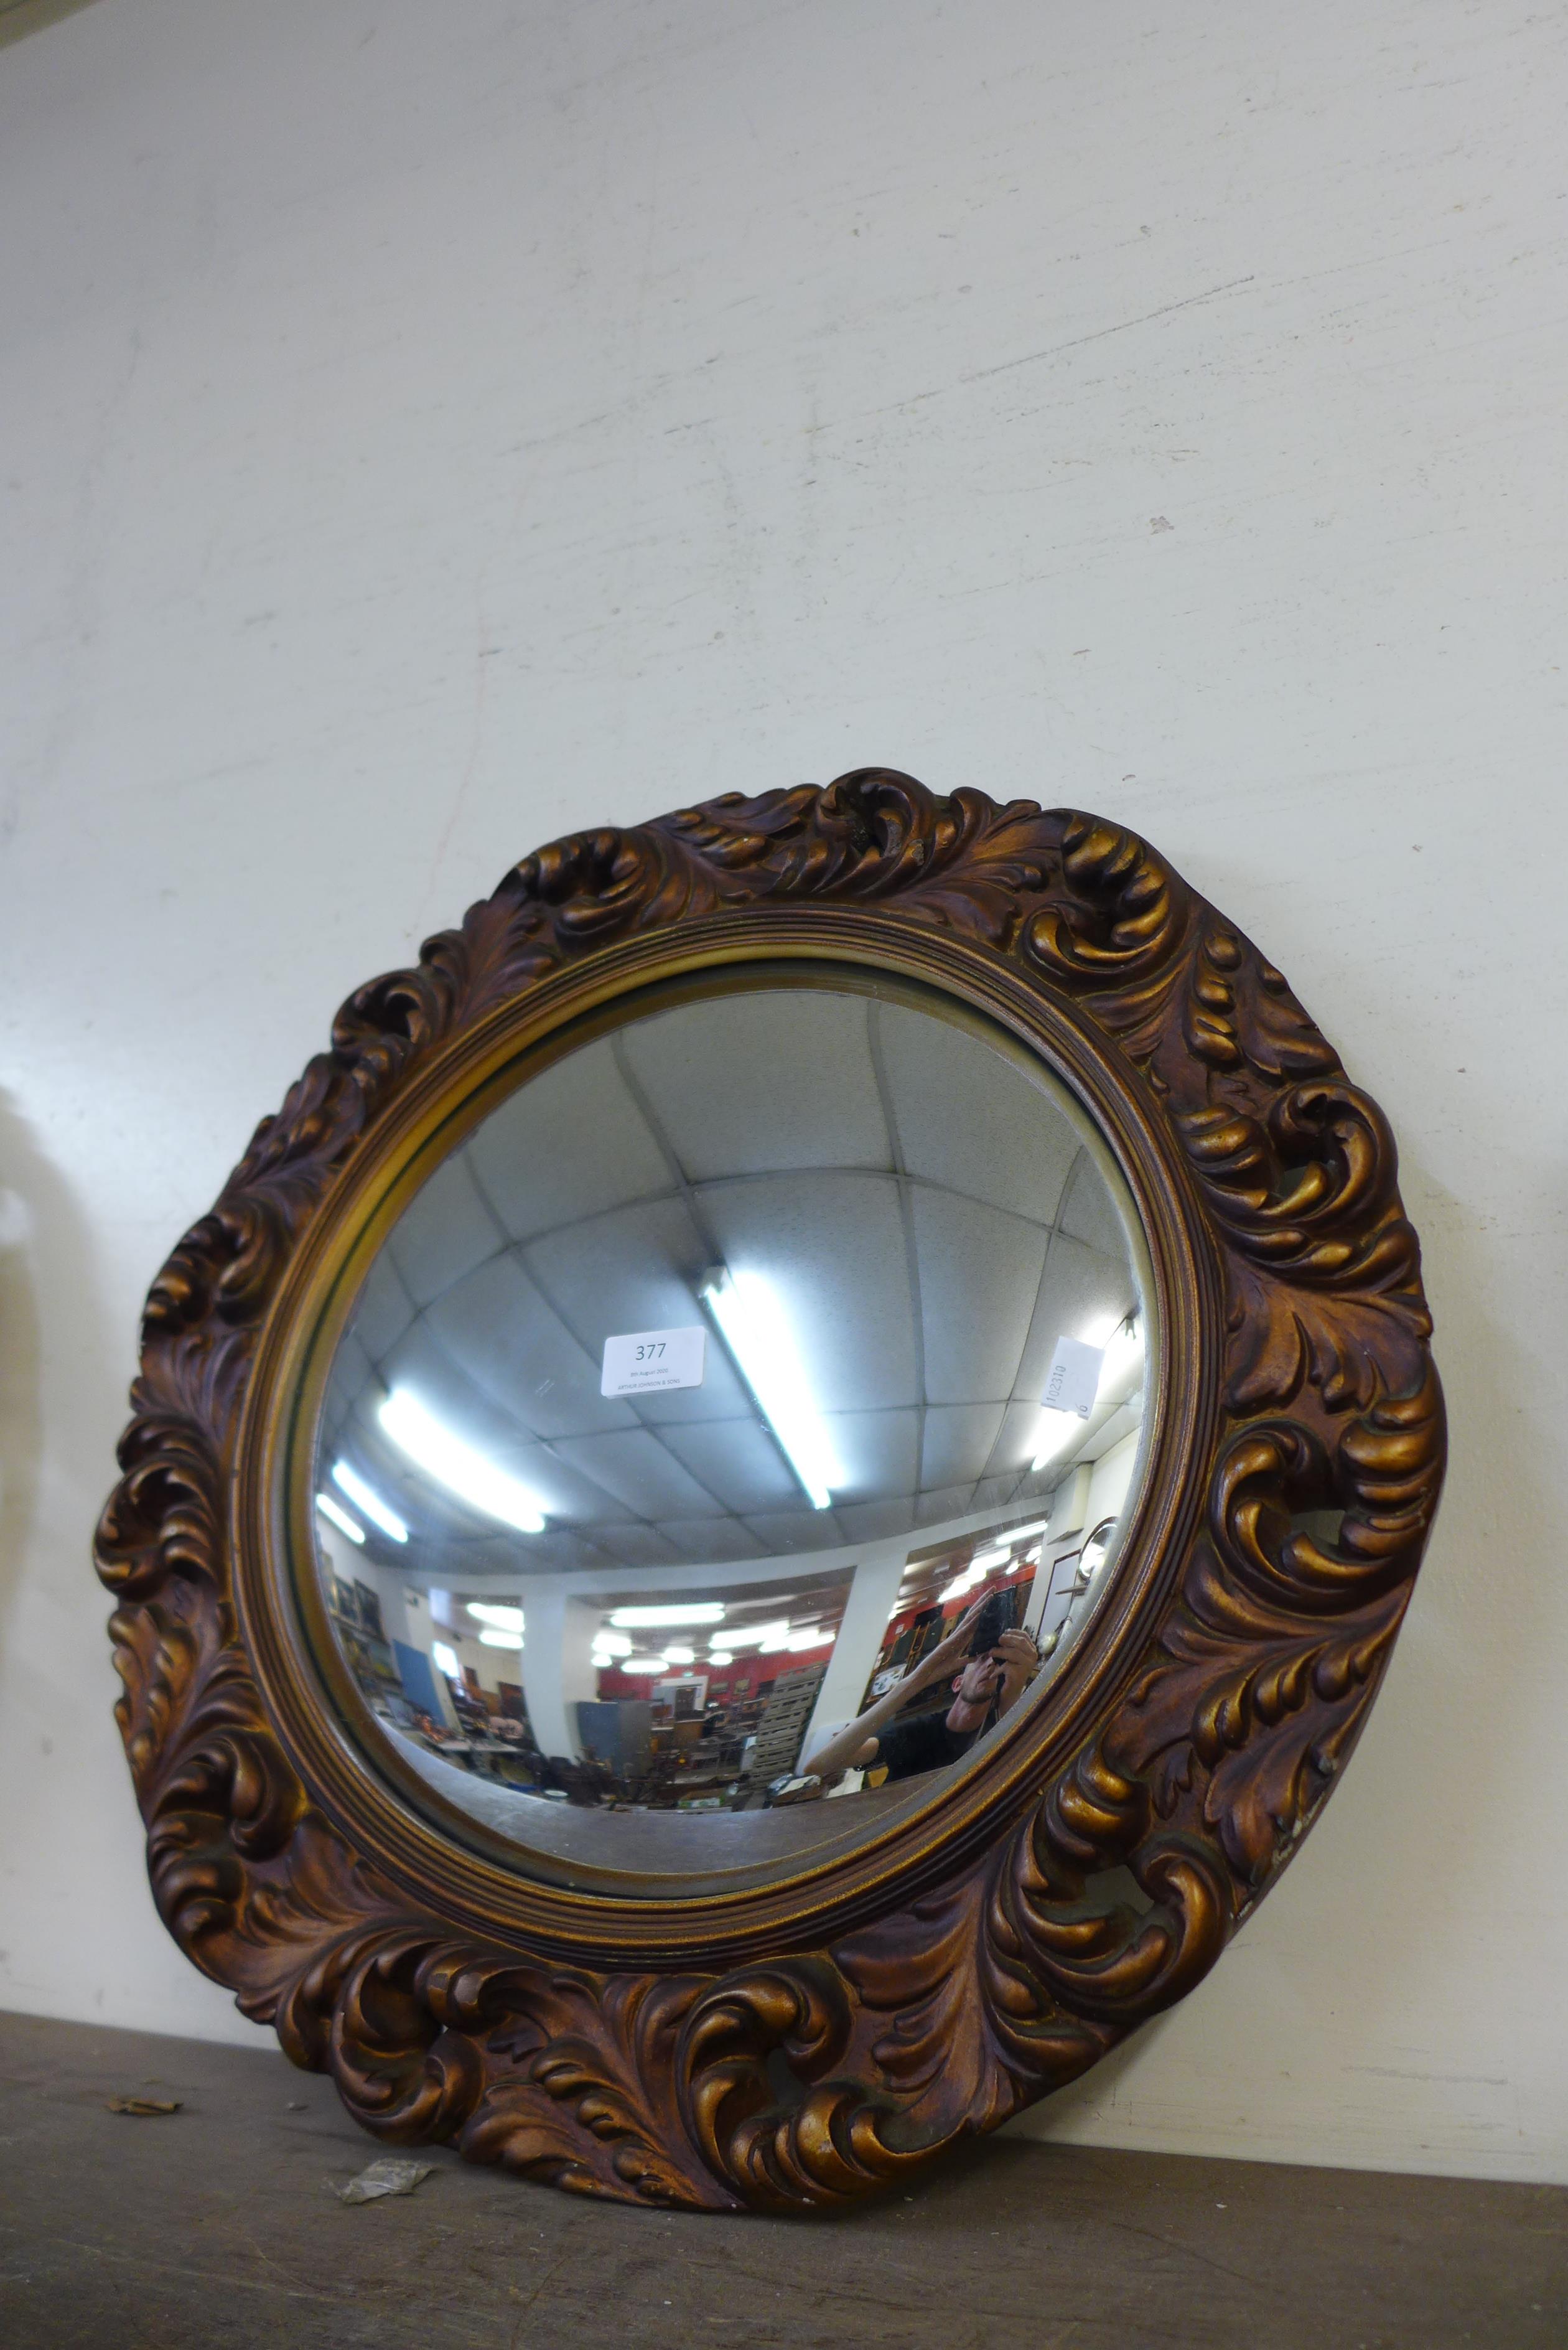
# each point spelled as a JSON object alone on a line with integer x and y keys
{"x": 217, "y": 2228}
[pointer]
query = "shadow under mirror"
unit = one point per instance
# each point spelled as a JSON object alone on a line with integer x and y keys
{"x": 735, "y": 1429}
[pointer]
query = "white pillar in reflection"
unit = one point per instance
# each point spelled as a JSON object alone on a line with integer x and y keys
{"x": 556, "y": 1664}
{"x": 865, "y": 1613}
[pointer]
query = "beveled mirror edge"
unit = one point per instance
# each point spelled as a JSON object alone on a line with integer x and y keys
{"x": 1025, "y": 1963}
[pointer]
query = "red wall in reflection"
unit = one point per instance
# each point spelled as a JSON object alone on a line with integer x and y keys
{"x": 761, "y": 1672}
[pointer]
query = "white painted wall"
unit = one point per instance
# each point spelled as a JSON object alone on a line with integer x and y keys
{"x": 557, "y": 1666}
{"x": 427, "y": 429}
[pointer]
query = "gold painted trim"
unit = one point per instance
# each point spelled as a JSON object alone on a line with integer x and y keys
{"x": 794, "y": 2045}
{"x": 281, "y": 1603}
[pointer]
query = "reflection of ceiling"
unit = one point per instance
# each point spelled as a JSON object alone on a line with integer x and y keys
{"x": 925, "y": 1210}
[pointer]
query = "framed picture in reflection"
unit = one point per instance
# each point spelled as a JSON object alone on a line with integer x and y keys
{"x": 1059, "y": 1595}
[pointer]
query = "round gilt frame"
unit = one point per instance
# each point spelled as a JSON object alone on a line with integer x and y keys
{"x": 797, "y": 2043}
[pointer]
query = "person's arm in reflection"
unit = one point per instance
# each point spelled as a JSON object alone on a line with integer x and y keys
{"x": 879, "y": 1743}
{"x": 1019, "y": 1660}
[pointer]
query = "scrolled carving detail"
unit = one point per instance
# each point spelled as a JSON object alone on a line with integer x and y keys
{"x": 1323, "y": 1268}
{"x": 1114, "y": 1882}
{"x": 581, "y": 2085}
{"x": 1239, "y": 1013}
{"x": 1117, "y": 915}
{"x": 163, "y": 1519}
{"x": 1265, "y": 1671}
{"x": 837, "y": 2142}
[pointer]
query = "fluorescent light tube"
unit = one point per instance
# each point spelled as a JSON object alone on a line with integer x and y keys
{"x": 758, "y": 1335}
{"x": 1124, "y": 1347}
{"x": 445, "y": 1659}
{"x": 614, "y": 1644}
{"x": 505, "y": 1619}
{"x": 341, "y": 1518}
{"x": 681, "y": 1656}
{"x": 366, "y": 1498}
{"x": 800, "y": 1640}
{"x": 696, "y": 1611}
{"x": 493, "y": 1636}
{"x": 720, "y": 1657}
{"x": 751, "y": 1636}
{"x": 1056, "y": 1431}
{"x": 975, "y": 1572}
{"x": 642, "y": 1665}
{"x": 457, "y": 1465}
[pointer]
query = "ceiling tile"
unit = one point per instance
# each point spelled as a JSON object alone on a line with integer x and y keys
{"x": 867, "y": 1521}
{"x": 980, "y": 1270}
{"x": 510, "y": 1343}
{"x": 957, "y": 1442}
{"x": 1090, "y": 1212}
{"x": 634, "y": 1544}
{"x": 972, "y": 1119}
{"x": 711, "y": 1542}
{"x": 1019, "y": 1435}
{"x": 1079, "y": 1290}
{"x": 752, "y": 1084}
{"x": 567, "y": 1145}
{"x": 1121, "y": 1421}
{"x": 635, "y": 1467}
{"x": 445, "y": 1231}
{"x": 383, "y": 1309}
{"x": 947, "y": 1502}
{"x": 738, "y": 1460}
{"x": 785, "y": 1532}
{"x": 637, "y": 1268}
{"x": 421, "y": 1364}
{"x": 351, "y": 1375}
{"x": 877, "y": 1452}
{"x": 832, "y": 1248}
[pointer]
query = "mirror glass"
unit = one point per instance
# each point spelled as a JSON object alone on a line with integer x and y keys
{"x": 734, "y": 1430}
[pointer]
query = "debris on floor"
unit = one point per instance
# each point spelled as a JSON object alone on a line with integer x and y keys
{"x": 141, "y": 2107}
{"x": 392, "y": 2174}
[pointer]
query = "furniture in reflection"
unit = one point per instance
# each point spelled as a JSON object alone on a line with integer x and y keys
{"x": 369, "y": 1657}
{"x": 617, "y": 1731}
{"x": 585, "y": 1784}
{"x": 501, "y": 1759}
{"x": 680, "y": 1697}
{"x": 783, "y": 1724}
{"x": 425, "y": 1689}
{"x": 684, "y": 1766}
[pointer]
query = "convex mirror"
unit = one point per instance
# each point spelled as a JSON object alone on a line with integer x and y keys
{"x": 767, "y": 1506}
{"x": 689, "y": 1455}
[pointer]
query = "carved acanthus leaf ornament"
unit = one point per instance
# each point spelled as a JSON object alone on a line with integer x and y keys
{"x": 1111, "y": 1886}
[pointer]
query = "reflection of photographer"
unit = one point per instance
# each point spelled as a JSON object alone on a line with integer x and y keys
{"x": 992, "y": 1668}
